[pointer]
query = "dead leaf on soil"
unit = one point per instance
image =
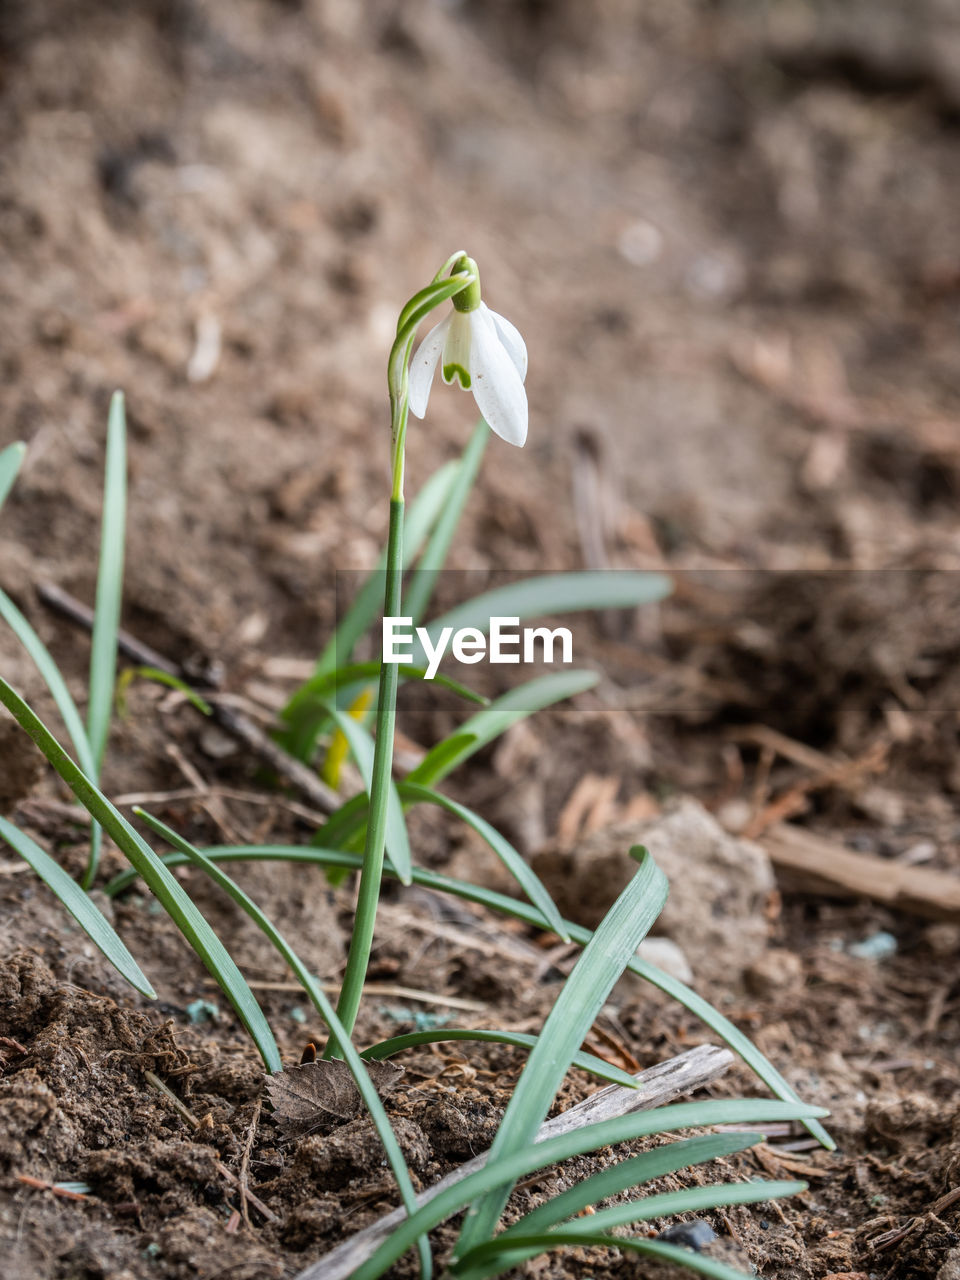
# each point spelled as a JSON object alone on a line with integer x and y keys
{"x": 305, "y": 1097}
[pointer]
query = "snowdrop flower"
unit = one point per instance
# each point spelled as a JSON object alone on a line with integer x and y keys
{"x": 485, "y": 354}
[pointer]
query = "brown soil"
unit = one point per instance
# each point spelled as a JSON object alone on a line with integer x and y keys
{"x": 728, "y": 234}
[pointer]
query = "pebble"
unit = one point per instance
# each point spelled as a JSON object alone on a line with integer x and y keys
{"x": 878, "y": 946}
{"x": 694, "y": 1235}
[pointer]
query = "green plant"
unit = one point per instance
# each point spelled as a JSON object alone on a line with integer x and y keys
{"x": 368, "y": 833}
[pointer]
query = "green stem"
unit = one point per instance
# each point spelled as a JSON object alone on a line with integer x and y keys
{"x": 371, "y": 873}
{"x": 368, "y": 896}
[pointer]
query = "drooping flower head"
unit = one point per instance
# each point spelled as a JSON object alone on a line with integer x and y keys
{"x": 484, "y": 353}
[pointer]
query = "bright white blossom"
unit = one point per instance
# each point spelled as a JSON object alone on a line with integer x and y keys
{"x": 486, "y": 355}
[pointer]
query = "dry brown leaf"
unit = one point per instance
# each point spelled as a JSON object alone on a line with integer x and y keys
{"x": 306, "y": 1097}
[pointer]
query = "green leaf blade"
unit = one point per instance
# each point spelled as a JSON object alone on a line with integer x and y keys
{"x": 725, "y": 1029}
{"x": 11, "y": 460}
{"x": 555, "y": 593}
{"x": 601, "y": 963}
{"x": 522, "y": 872}
{"x": 585, "y": 1061}
{"x": 516, "y": 705}
{"x": 156, "y": 875}
{"x": 362, "y": 613}
{"x": 632, "y": 1172}
{"x": 319, "y": 1000}
{"x": 435, "y": 553}
{"x": 541, "y": 1155}
{"x": 492, "y": 1257}
{"x": 87, "y": 915}
{"x": 362, "y": 747}
{"x": 106, "y": 622}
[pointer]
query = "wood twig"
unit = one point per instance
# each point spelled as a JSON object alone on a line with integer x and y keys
{"x": 373, "y": 989}
{"x": 245, "y": 1160}
{"x": 815, "y": 864}
{"x": 658, "y": 1085}
{"x": 41, "y": 1184}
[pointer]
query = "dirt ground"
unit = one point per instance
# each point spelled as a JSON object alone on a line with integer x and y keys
{"x": 728, "y": 233}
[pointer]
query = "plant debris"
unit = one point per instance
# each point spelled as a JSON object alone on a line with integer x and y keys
{"x": 308, "y": 1096}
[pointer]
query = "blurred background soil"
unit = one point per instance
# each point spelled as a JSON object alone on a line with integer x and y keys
{"x": 728, "y": 232}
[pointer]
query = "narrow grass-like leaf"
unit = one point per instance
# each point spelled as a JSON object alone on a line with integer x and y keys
{"x": 732, "y": 1035}
{"x": 540, "y": 1155}
{"x": 52, "y": 678}
{"x": 106, "y": 617}
{"x": 317, "y": 997}
{"x": 156, "y": 875}
{"x": 491, "y": 1258}
{"x": 87, "y": 915}
{"x": 319, "y": 688}
{"x": 554, "y": 593}
{"x": 343, "y": 824}
{"x": 601, "y": 963}
{"x": 362, "y": 747}
{"x": 489, "y": 723}
{"x": 167, "y": 678}
{"x": 11, "y": 459}
{"x": 689, "y": 1200}
{"x": 700, "y": 1263}
{"x": 522, "y": 872}
{"x": 725, "y": 1029}
{"x": 632, "y": 1172}
{"x": 422, "y": 581}
{"x": 106, "y": 621}
{"x": 310, "y": 714}
{"x": 585, "y": 1061}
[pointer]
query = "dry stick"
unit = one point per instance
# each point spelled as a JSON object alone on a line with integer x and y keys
{"x": 296, "y": 773}
{"x": 245, "y": 1161}
{"x": 372, "y": 989}
{"x": 816, "y": 865}
{"x": 658, "y": 1085}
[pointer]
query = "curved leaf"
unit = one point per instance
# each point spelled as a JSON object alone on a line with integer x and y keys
{"x": 522, "y": 872}
{"x": 11, "y": 459}
{"x": 491, "y": 1258}
{"x": 512, "y": 707}
{"x": 540, "y": 1155}
{"x": 155, "y": 873}
{"x": 362, "y": 747}
{"x": 317, "y": 997}
{"x": 87, "y": 915}
{"x": 581, "y": 998}
{"x": 585, "y": 1061}
{"x": 711, "y": 1017}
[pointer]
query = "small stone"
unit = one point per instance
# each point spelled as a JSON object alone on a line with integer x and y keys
{"x": 719, "y": 885}
{"x": 878, "y": 946}
{"x": 774, "y": 973}
{"x": 202, "y": 1011}
{"x": 942, "y": 939}
{"x": 694, "y": 1235}
{"x": 217, "y": 745}
{"x": 666, "y": 955}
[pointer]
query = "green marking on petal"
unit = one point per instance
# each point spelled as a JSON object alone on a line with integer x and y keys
{"x": 451, "y": 371}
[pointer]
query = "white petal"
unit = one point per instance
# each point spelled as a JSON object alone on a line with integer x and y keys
{"x": 497, "y": 387}
{"x": 509, "y": 335}
{"x": 455, "y": 365}
{"x": 424, "y": 365}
